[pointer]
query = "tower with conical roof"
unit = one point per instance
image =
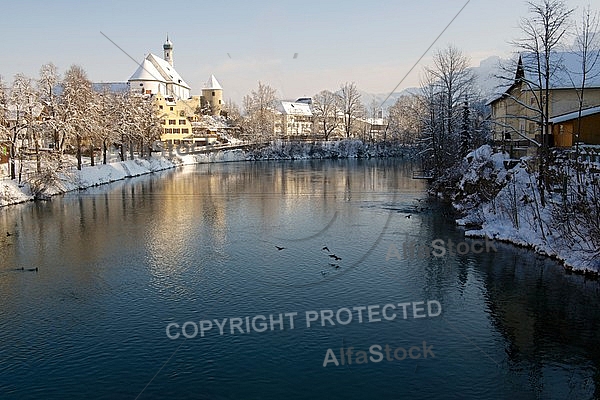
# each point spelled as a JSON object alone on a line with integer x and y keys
{"x": 168, "y": 48}
{"x": 212, "y": 93}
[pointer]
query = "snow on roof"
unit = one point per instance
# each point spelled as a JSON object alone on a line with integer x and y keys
{"x": 565, "y": 73}
{"x": 112, "y": 87}
{"x": 167, "y": 71}
{"x": 147, "y": 72}
{"x": 212, "y": 83}
{"x": 295, "y": 108}
{"x": 373, "y": 121}
{"x": 154, "y": 68}
{"x": 575, "y": 115}
{"x": 566, "y": 70}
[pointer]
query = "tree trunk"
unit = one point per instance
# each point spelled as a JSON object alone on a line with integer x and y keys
{"x": 104, "y": 150}
{"x": 78, "y": 152}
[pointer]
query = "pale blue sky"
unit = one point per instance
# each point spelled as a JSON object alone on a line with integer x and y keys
{"x": 373, "y": 43}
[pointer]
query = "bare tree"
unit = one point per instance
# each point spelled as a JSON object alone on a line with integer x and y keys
{"x": 543, "y": 32}
{"x": 448, "y": 84}
{"x": 352, "y": 107}
{"x": 326, "y": 108}
{"x": 587, "y": 49}
{"x": 405, "y": 119}
{"x": 456, "y": 83}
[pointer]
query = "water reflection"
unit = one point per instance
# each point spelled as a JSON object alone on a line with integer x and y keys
{"x": 117, "y": 263}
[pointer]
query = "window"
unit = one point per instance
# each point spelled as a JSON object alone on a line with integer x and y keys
{"x": 163, "y": 121}
{"x": 171, "y": 108}
{"x": 219, "y": 101}
{"x": 182, "y": 113}
{"x": 213, "y": 93}
{"x": 161, "y": 107}
{"x": 171, "y": 122}
{"x": 175, "y": 130}
{"x": 185, "y": 130}
{"x": 168, "y": 130}
{"x": 182, "y": 122}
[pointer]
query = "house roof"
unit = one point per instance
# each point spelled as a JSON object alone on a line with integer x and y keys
{"x": 147, "y": 72}
{"x": 574, "y": 115}
{"x": 295, "y": 108}
{"x": 154, "y": 68}
{"x": 112, "y": 87}
{"x": 212, "y": 83}
{"x": 565, "y": 72}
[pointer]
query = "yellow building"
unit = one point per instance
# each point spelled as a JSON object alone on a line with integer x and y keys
{"x": 179, "y": 111}
{"x": 515, "y": 113}
{"x": 212, "y": 96}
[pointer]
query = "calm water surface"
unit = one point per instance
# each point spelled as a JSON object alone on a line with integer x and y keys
{"x": 117, "y": 264}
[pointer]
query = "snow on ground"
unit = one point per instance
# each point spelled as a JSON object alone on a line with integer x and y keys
{"x": 504, "y": 205}
{"x": 12, "y": 193}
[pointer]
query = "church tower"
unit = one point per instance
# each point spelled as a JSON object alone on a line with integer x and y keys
{"x": 168, "y": 48}
{"x": 212, "y": 94}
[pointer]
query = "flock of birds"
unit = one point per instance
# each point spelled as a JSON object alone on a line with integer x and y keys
{"x": 331, "y": 255}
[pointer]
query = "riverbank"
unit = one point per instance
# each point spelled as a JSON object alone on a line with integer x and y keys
{"x": 501, "y": 201}
{"x": 68, "y": 179}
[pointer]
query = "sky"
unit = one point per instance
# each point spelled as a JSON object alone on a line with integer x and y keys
{"x": 373, "y": 43}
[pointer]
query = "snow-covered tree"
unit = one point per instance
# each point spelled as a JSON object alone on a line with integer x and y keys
{"x": 24, "y": 110}
{"x": 77, "y": 106}
{"x": 46, "y": 88}
{"x": 147, "y": 122}
{"x": 260, "y": 109}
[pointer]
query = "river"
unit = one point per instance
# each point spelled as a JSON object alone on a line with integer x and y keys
{"x": 172, "y": 285}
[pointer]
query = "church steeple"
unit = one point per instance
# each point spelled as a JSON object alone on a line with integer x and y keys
{"x": 168, "y": 48}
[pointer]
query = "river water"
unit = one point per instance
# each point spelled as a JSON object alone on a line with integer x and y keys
{"x": 171, "y": 285}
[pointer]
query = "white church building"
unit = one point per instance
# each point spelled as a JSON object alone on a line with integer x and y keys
{"x": 157, "y": 75}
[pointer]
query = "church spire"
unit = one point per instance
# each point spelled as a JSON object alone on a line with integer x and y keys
{"x": 168, "y": 49}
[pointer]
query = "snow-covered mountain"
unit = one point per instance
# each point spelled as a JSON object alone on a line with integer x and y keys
{"x": 485, "y": 74}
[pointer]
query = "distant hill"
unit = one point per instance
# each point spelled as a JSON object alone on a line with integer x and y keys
{"x": 484, "y": 75}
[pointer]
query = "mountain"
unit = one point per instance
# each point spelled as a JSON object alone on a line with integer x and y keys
{"x": 485, "y": 79}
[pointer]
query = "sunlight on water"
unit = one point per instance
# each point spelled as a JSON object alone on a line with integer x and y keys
{"x": 241, "y": 243}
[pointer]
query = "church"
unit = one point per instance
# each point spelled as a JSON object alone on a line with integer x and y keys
{"x": 156, "y": 75}
{"x": 179, "y": 111}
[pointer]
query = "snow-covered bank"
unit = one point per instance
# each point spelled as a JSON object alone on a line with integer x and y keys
{"x": 50, "y": 184}
{"x": 12, "y": 193}
{"x": 502, "y": 202}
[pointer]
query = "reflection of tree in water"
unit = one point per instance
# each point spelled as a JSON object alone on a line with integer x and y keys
{"x": 548, "y": 328}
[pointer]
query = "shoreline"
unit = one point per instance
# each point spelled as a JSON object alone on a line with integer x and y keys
{"x": 12, "y": 192}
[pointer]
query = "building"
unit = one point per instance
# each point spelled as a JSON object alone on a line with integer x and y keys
{"x": 565, "y": 126}
{"x": 293, "y": 119}
{"x": 156, "y": 75}
{"x": 212, "y": 96}
{"x": 515, "y": 115}
{"x": 180, "y": 113}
